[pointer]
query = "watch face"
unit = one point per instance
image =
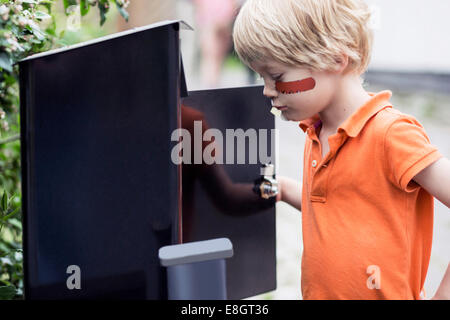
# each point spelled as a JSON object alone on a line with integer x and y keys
{"x": 218, "y": 197}
{"x": 266, "y": 189}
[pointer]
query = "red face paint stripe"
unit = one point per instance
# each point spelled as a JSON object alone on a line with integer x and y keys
{"x": 295, "y": 86}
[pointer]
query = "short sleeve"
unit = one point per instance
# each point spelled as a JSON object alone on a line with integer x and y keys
{"x": 408, "y": 151}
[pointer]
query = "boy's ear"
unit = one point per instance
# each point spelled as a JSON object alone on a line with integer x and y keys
{"x": 341, "y": 63}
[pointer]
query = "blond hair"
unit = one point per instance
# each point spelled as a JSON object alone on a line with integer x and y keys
{"x": 308, "y": 33}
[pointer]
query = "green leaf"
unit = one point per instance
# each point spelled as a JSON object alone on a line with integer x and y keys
{"x": 7, "y": 292}
{"x": 15, "y": 223}
{"x": 37, "y": 33}
{"x": 122, "y": 12}
{"x": 42, "y": 15}
{"x": 68, "y": 3}
{"x": 12, "y": 214}
{"x": 5, "y": 61}
{"x": 84, "y": 7}
{"x": 103, "y": 11}
{"x": 5, "y": 201}
{"x": 9, "y": 80}
{"x": 51, "y": 29}
{"x": 12, "y": 197}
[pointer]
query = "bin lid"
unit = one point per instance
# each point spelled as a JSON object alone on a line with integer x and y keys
{"x": 197, "y": 251}
{"x": 183, "y": 25}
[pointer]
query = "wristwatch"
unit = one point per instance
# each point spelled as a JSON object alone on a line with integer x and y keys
{"x": 266, "y": 186}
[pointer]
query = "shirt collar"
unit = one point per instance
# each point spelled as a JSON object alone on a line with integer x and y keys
{"x": 353, "y": 125}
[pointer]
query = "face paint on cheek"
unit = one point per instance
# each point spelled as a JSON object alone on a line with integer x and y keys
{"x": 295, "y": 86}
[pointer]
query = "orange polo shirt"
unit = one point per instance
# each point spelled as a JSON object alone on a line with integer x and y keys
{"x": 367, "y": 226}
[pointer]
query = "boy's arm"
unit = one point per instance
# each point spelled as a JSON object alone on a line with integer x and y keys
{"x": 436, "y": 180}
{"x": 290, "y": 191}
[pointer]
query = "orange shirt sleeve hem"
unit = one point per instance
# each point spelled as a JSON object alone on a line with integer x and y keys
{"x": 417, "y": 167}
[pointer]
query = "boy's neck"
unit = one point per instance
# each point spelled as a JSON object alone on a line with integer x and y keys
{"x": 349, "y": 96}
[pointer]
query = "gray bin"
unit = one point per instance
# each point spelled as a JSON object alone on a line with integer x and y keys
{"x": 197, "y": 270}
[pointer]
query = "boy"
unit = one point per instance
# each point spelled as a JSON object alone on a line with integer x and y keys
{"x": 369, "y": 172}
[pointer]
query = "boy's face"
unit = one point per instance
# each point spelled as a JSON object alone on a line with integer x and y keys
{"x": 296, "y": 106}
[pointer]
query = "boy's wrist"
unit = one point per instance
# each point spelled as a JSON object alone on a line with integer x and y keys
{"x": 280, "y": 189}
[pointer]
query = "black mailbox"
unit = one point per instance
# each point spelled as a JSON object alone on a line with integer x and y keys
{"x": 101, "y": 193}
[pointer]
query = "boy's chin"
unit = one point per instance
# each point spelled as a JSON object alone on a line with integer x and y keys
{"x": 285, "y": 117}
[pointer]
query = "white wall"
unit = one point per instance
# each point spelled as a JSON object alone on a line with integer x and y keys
{"x": 411, "y": 35}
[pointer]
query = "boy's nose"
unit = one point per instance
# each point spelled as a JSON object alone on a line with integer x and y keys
{"x": 269, "y": 92}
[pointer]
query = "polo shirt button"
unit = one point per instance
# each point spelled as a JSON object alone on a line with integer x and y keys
{"x": 314, "y": 163}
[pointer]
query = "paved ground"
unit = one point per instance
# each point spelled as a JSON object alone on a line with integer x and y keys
{"x": 432, "y": 110}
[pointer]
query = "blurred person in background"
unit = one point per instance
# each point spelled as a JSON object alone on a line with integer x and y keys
{"x": 214, "y": 20}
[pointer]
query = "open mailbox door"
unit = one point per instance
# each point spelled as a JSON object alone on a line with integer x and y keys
{"x": 100, "y": 191}
{"x": 218, "y": 200}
